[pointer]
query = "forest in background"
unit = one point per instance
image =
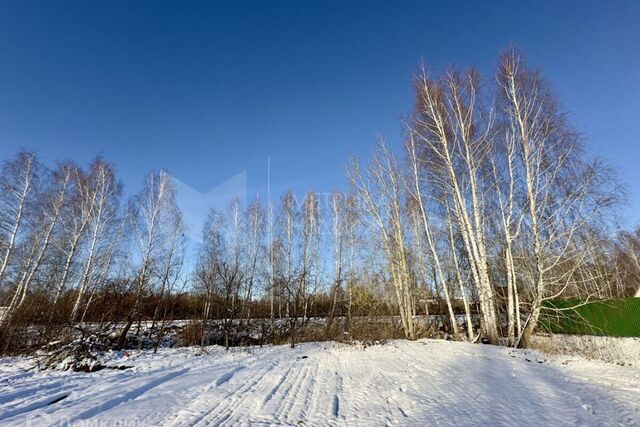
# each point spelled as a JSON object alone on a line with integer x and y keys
{"x": 490, "y": 208}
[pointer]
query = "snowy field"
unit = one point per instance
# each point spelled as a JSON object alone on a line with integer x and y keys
{"x": 401, "y": 383}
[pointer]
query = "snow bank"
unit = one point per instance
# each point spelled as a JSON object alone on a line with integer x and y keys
{"x": 621, "y": 351}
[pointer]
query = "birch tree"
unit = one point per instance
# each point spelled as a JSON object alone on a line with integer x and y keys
{"x": 379, "y": 189}
{"x": 288, "y": 262}
{"x": 104, "y": 193}
{"x": 448, "y": 127}
{"x": 563, "y": 192}
{"x": 46, "y": 220}
{"x": 155, "y": 216}
{"x": 511, "y": 215}
{"x": 17, "y": 183}
{"x": 415, "y": 188}
{"x": 339, "y": 218}
{"x": 256, "y": 252}
{"x": 76, "y": 216}
{"x": 310, "y": 272}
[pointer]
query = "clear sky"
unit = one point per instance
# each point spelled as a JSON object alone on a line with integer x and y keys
{"x": 209, "y": 89}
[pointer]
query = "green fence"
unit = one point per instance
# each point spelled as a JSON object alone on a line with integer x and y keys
{"x": 616, "y": 318}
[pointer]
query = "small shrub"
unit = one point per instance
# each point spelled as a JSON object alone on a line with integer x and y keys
{"x": 191, "y": 334}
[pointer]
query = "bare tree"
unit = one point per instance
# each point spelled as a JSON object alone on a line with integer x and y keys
{"x": 17, "y": 184}
{"x": 563, "y": 192}
{"x": 453, "y": 133}
{"x": 76, "y": 216}
{"x": 415, "y": 189}
{"x": 457, "y": 267}
{"x": 339, "y": 224}
{"x": 46, "y": 220}
{"x": 503, "y": 163}
{"x": 352, "y": 228}
{"x": 156, "y": 225}
{"x": 255, "y": 250}
{"x": 221, "y": 268}
{"x": 288, "y": 262}
{"x": 310, "y": 271}
{"x": 380, "y": 191}
{"x": 104, "y": 193}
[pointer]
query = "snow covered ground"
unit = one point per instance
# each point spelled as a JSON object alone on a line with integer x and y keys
{"x": 619, "y": 350}
{"x": 425, "y": 382}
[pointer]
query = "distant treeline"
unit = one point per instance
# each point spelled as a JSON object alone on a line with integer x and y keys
{"x": 489, "y": 209}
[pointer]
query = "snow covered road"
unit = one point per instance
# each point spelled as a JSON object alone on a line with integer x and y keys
{"x": 405, "y": 383}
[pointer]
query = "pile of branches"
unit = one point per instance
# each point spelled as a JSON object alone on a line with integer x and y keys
{"x": 81, "y": 355}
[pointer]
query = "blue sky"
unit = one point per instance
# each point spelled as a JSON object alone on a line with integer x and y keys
{"x": 209, "y": 89}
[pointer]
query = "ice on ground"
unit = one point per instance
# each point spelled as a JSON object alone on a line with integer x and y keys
{"x": 425, "y": 382}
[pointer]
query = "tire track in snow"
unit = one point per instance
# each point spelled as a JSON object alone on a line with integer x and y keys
{"x": 408, "y": 383}
{"x": 318, "y": 392}
{"x": 274, "y": 389}
{"x": 236, "y": 401}
{"x": 222, "y": 409}
{"x": 304, "y": 396}
{"x": 227, "y": 376}
{"x": 291, "y": 393}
